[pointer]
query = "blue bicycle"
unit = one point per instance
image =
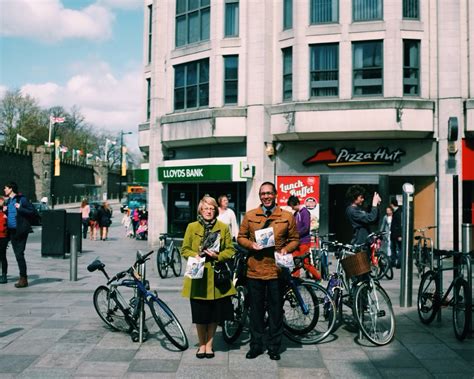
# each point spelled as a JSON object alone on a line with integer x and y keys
{"x": 123, "y": 315}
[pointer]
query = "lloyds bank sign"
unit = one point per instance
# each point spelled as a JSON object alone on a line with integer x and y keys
{"x": 207, "y": 173}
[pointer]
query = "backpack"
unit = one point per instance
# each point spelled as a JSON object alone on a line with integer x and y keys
{"x": 93, "y": 214}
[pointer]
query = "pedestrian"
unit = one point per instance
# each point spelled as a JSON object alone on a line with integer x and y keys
{"x": 85, "y": 211}
{"x": 93, "y": 224}
{"x": 227, "y": 215}
{"x": 3, "y": 242}
{"x": 359, "y": 218}
{"x": 385, "y": 227}
{"x": 263, "y": 283}
{"x": 303, "y": 225}
{"x": 135, "y": 216}
{"x": 19, "y": 210}
{"x": 396, "y": 233}
{"x": 210, "y": 304}
{"x": 104, "y": 216}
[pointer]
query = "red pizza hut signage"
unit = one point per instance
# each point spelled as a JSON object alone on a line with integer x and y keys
{"x": 303, "y": 187}
{"x": 352, "y": 157}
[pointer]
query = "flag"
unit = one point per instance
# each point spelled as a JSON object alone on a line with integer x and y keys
{"x": 63, "y": 149}
{"x": 56, "y": 120}
{"x": 57, "y": 143}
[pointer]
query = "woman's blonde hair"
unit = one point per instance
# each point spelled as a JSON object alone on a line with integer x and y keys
{"x": 84, "y": 203}
{"x": 208, "y": 200}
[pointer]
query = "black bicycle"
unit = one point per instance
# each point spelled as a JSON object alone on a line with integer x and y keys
{"x": 168, "y": 256}
{"x": 123, "y": 315}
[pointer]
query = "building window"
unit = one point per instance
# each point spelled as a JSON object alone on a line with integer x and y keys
{"x": 367, "y": 10}
{"x": 411, "y": 67}
{"x": 368, "y": 68}
{"x": 231, "y": 79}
{"x": 287, "y": 14}
{"x": 191, "y": 85}
{"x": 192, "y": 21}
{"x": 148, "y": 99}
{"x": 324, "y": 70}
{"x": 324, "y": 11}
{"x": 411, "y": 9}
{"x": 150, "y": 28}
{"x": 231, "y": 28}
{"x": 287, "y": 73}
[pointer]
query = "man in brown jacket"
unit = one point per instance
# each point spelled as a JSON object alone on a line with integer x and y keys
{"x": 265, "y": 289}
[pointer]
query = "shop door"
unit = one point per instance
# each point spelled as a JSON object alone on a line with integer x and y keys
{"x": 338, "y": 222}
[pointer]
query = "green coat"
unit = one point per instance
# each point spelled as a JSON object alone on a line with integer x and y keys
{"x": 204, "y": 288}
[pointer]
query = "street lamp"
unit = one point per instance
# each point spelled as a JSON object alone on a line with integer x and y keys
{"x": 122, "y": 173}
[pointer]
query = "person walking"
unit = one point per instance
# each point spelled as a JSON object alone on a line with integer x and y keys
{"x": 265, "y": 288}
{"x": 303, "y": 224}
{"x": 359, "y": 218}
{"x": 19, "y": 211}
{"x": 385, "y": 227}
{"x": 104, "y": 216}
{"x": 396, "y": 233}
{"x": 85, "y": 211}
{"x": 3, "y": 242}
{"x": 227, "y": 215}
{"x": 210, "y": 304}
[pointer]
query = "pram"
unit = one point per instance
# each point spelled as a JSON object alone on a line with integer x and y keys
{"x": 142, "y": 230}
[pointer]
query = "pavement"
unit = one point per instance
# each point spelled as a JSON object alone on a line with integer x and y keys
{"x": 51, "y": 330}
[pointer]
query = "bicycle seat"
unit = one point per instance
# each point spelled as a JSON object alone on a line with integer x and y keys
{"x": 95, "y": 265}
{"x": 417, "y": 238}
{"x": 163, "y": 236}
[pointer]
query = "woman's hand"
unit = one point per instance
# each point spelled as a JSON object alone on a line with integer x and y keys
{"x": 211, "y": 253}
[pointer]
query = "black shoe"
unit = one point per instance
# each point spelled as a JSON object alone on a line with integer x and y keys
{"x": 210, "y": 355}
{"x": 200, "y": 355}
{"x": 274, "y": 356}
{"x": 251, "y": 354}
{"x": 3, "y": 279}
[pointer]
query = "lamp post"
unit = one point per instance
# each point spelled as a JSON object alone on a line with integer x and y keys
{"x": 122, "y": 133}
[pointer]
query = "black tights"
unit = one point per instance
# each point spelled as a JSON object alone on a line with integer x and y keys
{"x": 3, "y": 255}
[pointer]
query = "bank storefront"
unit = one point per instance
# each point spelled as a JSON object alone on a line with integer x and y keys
{"x": 187, "y": 181}
{"x": 328, "y": 168}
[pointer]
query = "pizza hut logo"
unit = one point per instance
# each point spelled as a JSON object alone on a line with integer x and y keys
{"x": 351, "y": 157}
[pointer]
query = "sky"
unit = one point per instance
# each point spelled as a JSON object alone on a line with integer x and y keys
{"x": 83, "y": 53}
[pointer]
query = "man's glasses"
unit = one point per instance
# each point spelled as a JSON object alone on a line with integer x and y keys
{"x": 267, "y": 193}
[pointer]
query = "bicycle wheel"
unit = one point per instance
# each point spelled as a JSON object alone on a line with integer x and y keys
{"x": 462, "y": 309}
{"x": 177, "y": 264}
{"x": 231, "y": 329}
{"x": 295, "y": 320}
{"x": 427, "y": 301}
{"x": 384, "y": 265}
{"x": 168, "y": 324}
{"x": 417, "y": 259}
{"x": 374, "y": 313}
{"x": 108, "y": 310}
{"x": 162, "y": 262}
{"x": 324, "y": 265}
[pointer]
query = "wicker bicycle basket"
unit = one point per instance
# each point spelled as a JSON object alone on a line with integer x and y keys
{"x": 357, "y": 264}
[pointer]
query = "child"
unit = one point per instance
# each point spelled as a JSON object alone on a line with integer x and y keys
{"x": 3, "y": 242}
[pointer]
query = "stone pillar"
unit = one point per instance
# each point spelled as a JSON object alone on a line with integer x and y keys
{"x": 101, "y": 175}
{"x": 41, "y": 162}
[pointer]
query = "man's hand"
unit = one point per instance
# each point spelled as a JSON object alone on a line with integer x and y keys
{"x": 376, "y": 200}
{"x": 256, "y": 246}
{"x": 284, "y": 251}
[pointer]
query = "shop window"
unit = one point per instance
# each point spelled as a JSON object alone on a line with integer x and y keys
{"x": 411, "y": 67}
{"x": 367, "y": 10}
{"x": 191, "y": 85}
{"x": 367, "y": 68}
{"x": 324, "y": 11}
{"x": 287, "y": 73}
{"x": 192, "y": 21}
{"x": 324, "y": 75}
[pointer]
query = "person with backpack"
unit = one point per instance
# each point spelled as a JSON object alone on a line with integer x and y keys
{"x": 93, "y": 224}
{"x": 19, "y": 212}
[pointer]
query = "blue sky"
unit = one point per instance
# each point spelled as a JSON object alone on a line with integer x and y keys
{"x": 83, "y": 53}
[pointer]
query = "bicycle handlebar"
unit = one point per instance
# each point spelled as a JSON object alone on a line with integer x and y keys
{"x": 143, "y": 259}
{"x": 426, "y": 228}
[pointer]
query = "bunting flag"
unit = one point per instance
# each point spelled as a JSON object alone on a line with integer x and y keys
{"x": 57, "y": 120}
{"x": 124, "y": 161}
{"x": 63, "y": 149}
{"x": 57, "y": 145}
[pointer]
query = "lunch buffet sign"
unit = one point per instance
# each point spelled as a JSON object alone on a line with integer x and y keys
{"x": 352, "y": 157}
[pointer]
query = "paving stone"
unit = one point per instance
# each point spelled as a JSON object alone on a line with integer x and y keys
{"x": 61, "y": 360}
{"x": 82, "y": 336}
{"x": 291, "y": 373}
{"x": 15, "y": 363}
{"x": 110, "y": 355}
{"x": 301, "y": 359}
{"x": 430, "y": 351}
{"x": 392, "y": 359}
{"x": 341, "y": 369}
{"x": 334, "y": 353}
{"x": 238, "y": 362}
{"x": 58, "y": 324}
{"x": 417, "y": 338}
{"x": 27, "y": 347}
{"x": 47, "y": 373}
{"x": 443, "y": 366}
{"x": 102, "y": 370}
{"x": 154, "y": 365}
{"x": 405, "y": 373}
{"x": 467, "y": 355}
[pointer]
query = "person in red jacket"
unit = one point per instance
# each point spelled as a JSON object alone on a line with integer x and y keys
{"x": 3, "y": 242}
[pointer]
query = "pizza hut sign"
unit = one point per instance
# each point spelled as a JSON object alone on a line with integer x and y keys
{"x": 352, "y": 157}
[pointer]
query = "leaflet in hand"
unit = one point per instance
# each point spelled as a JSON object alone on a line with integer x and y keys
{"x": 265, "y": 237}
{"x": 195, "y": 268}
{"x": 212, "y": 242}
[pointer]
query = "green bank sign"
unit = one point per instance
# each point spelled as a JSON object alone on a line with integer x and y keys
{"x": 201, "y": 173}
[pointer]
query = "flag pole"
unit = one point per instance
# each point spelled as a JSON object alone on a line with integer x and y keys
{"x": 49, "y": 134}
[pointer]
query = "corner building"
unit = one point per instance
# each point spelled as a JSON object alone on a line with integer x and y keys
{"x": 315, "y": 95}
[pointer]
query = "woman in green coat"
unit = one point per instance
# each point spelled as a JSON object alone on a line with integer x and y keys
{"x": 210, "y": 305}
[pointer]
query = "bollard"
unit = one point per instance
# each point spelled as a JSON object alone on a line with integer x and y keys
{"x": 406, "y": 277}
{"x": 73, "y": 259}
{"x": 141, "y": 324}
{"x": 467, "y": 238}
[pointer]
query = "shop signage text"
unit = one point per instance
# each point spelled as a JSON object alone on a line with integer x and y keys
{"x": 195, "y": 173}
{"x": 352, "y": 157}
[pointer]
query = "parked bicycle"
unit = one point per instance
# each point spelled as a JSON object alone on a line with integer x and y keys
{"x": 168, "y": 256}
{"x": 303, "y": 305}
{"x": 123, "y": 315}
{"x": 320, "y": 253}
{"x": 380, "y": 263}
{"x": 423, "y": 250}
{"x": 430, "y": 295}
{"x": 351, "y": 285}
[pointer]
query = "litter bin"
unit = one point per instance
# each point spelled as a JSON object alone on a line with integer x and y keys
{"x": 53, "y": 233}
{"x": 73, "y": 227}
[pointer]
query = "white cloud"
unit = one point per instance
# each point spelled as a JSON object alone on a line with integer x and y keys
{"x": 106, "y": 101}
{"x": 3, "y": 90}
{"x": 49, "y": 21}
{"x": 122, "y": 4}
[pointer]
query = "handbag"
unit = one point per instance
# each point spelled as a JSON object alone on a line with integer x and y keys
{"x": 222, "y": 274}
